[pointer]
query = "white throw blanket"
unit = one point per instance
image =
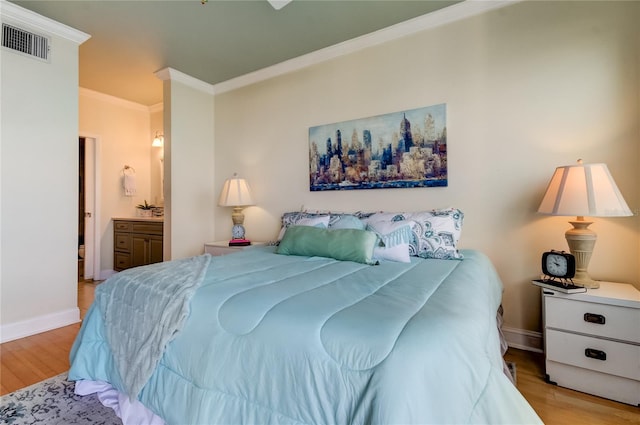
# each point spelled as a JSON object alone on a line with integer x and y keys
{"x": 143, "y": 308}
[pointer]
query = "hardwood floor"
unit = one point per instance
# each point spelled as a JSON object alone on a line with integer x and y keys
{"x": 557, "y": 405}
{"x": 29, "y": 360}
{"x": 25, "y": 361}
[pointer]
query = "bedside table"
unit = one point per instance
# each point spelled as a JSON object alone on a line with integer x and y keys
{"x": 592, "y": 340}
{"x": 223, "y": 248}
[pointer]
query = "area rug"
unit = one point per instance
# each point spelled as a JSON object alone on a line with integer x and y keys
{"x": 54, "y": 402}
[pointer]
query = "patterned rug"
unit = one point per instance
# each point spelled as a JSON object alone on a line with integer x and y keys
{"x": 54, "y": 402}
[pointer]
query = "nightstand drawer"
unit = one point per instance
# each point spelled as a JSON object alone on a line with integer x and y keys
{"x": 597, "y": 354}
{"x": 609, "y": 321}
{"x": 596, "y": 383}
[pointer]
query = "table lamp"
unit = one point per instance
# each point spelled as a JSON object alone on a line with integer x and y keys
{"x": 237, "y": 194}
{"x": 583, "y": 190}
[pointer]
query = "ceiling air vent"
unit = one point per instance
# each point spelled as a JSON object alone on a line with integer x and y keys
{"x": 25, "y": 42}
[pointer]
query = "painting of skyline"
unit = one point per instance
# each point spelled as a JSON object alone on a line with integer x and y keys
{"x": 400, "y": 149}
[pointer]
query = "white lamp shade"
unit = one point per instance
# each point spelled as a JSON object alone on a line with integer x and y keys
{"x": 235, "y": 193}
{"x": 583, "y": 190}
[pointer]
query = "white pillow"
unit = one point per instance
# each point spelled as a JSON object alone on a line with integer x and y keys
{"x": 435, "y": 233}
{"x": 346, "y": 221}
{"x": 321, "y": 221}
{"x": 395, "y": 237}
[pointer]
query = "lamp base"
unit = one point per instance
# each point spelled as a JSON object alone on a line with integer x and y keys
{"x": 583, "y": 279}
{"x": 581, "y": 241}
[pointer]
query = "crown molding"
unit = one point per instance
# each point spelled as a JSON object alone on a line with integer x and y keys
{"x": 113, "y": 100}
{"x": 425, "y": 22}
{"x": 12, "y": 13}
{"x": 175, "y": 75}
{"x": 158, "y": 107}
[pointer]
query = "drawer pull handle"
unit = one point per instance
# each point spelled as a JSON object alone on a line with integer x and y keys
{"x": 595, "y": 354}
{"x": 594, "y": 318}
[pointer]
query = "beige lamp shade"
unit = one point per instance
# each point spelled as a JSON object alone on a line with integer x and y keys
{"x": 235, "y": 193}
{"x": 583, "y": 190}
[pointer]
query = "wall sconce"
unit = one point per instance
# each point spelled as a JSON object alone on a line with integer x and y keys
{"x": 237, "y": 194}
{"x": 583, "y": 190}
{"x": 158, "y": 141}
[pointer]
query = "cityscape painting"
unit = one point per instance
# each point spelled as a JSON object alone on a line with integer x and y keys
{"x": 401, "y": 149}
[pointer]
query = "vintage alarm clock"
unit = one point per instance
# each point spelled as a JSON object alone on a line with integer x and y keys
{"x": 558, "y": 265}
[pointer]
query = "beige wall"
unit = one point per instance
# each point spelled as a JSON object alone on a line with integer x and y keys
{"x": 189, "y": 167}
{"x": 528, "y": 88}
{"x": 123, "y": 131}
{"x": 157, "y": 156}
{"x": 39, "y": 175}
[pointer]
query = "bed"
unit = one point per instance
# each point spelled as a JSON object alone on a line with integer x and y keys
{"x": 263, "y": 338}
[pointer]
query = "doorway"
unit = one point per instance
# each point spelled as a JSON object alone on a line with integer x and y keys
{"x": 88, "y": 208}
{"x": 81, "y": 206}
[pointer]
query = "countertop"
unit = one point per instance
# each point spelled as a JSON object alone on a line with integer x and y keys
{"x": 151, "y": 219}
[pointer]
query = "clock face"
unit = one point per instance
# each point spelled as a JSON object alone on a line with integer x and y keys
{"x": 559, "y": 264}
{"x": 237, "y": 232}
{"x": 556, "y": 265}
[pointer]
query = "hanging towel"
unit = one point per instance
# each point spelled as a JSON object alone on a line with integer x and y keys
{"x": 129, "y": 182}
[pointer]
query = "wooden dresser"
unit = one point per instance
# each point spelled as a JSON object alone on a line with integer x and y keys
{"x": 592, "y": 340}
{"x": 136, "y": 242}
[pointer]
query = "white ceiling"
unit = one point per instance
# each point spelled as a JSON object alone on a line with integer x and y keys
{"x": 213, "y": 42}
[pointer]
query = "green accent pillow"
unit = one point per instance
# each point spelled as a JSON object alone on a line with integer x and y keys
{"x": 340, "y": 244}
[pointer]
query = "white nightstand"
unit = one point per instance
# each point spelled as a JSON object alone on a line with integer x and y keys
{"x": 223, "y": 248}
{"x": 592, "y": 340}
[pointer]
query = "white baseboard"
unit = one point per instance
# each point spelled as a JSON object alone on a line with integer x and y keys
{"x": 105, "y": 274}
{"x": 523, "y": 339}
{"x": 36, "y": 325}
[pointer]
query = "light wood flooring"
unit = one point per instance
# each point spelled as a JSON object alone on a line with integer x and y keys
{"x": 25, "y": 361}
{"x": 29, "y": 360}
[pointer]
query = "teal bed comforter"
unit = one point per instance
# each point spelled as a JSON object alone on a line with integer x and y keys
{"x": 274, "y": 339}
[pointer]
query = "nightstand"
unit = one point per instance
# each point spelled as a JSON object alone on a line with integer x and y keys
{"x": 223, "y": 248}
{"x": 592, "y": 340}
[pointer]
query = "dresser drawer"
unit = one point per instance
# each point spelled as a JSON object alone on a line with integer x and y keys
{"x": 121, "y": 261}
{"x": 122, "y": 226}
{"x": 122, "y": 242}
{"x": 609, "y": 321}
{"x": 147, "y": 228}
{"x": 606, "y": 356}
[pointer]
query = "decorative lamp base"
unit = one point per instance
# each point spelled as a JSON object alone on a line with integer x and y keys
{"x": 581, "y": 241}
